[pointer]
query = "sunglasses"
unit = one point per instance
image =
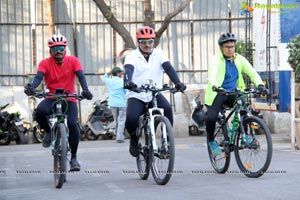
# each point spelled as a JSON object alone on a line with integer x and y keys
{"x": 56, "y": 48}
{"x": 229, "y": 47}
{"x": 150, "y": 41}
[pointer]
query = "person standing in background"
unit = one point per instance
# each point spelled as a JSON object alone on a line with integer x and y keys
{"x": 117, "y": 100}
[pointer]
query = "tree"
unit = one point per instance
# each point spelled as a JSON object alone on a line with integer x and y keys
{"x": 124, "y": 33}
{"x": 50, "y": 17}
{"x": 294, "y": 56}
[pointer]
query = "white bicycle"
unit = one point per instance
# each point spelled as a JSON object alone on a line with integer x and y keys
{"x": 156, "y": 140}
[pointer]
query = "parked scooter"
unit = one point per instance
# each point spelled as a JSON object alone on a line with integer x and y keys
{"x": 100, "y": 123}
{"x": 198, "y": 117}
{"x": 11, "y": 127}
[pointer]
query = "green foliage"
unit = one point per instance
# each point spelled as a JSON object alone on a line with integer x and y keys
{"x": 240, "y": 48}
{"x": 294, "y": 56}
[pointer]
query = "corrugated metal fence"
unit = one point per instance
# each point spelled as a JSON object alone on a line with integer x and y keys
{"x": 190, "y": 39}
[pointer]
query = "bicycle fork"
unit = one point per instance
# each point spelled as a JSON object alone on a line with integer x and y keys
{"x": 152, "y": 129}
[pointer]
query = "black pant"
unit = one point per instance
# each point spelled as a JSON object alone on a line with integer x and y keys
{"x": 43, "y": 111}
{"x": 135, "y": 108}
{"x": 213, "y": 112}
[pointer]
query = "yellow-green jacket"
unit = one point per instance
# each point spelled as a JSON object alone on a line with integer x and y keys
{"x": 216, "y": 75}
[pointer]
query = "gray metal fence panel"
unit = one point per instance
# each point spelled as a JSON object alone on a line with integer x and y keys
{"x": 189, "y": 41}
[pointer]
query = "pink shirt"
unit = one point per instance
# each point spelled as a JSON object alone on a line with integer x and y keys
{"x": 60, "y": 76}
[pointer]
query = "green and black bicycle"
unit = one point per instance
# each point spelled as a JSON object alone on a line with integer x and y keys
{"x": 59, "y": 133}
{"x": 249, "y": 137}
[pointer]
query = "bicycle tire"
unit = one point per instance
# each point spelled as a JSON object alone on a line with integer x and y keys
{"x": 143, "y": 159}
{"x": 60, "y": 156}
{"x": 162, "y": 176}
{"x": 247, "y": 154}
{"x": 221, "y": 162}
{"x": 90, "y": 135}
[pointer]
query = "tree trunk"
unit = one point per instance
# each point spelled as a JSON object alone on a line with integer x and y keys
{"x": 123, "y": 32}
{"x": 50, "y": 18}
{"x": 148, "y": 13}
{"x": 115, "y": 24}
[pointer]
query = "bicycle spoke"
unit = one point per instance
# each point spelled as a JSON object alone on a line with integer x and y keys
{"x": 142, "y": 161}
{"x": 255, "y": 155}
{"x": 220, "y": 162}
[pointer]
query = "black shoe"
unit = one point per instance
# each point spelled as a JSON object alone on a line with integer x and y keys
{"x": 74, "y": 165}
{"x": 133, "y": 149}
{"x": 47, "y": 140}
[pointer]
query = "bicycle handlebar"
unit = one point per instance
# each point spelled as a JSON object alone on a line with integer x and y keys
{"x": 60, "y": 95}
{"x": 222, "y": 91}
{"x": 151, "y": 88}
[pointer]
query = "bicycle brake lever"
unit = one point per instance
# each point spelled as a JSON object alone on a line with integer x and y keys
{"x": 39, "y": 95}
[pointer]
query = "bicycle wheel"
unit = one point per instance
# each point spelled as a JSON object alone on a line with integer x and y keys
{"x": 60, "y": 155}
{"x": 162, "y": 159}
{"x": 253, "y": 153}
{"x": 143, "y": 159}
{"x": 221, "y": 162}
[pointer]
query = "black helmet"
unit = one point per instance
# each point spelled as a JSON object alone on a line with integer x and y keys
{"x": 225, "y": 37}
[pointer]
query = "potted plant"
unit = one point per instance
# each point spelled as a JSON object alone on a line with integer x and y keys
{"x": 294, "y": 56}
{"x": 294, "y": 60}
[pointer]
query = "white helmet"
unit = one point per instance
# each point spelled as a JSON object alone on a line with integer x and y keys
{"x": 57, "y": 40}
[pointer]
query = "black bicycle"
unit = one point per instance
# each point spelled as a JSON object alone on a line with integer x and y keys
{"x": 253, "y": 152}
{"x": 156, "y": 140}
{"x": 59, "y": 133}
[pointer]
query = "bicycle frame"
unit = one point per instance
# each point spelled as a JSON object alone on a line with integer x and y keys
{"x": 239, "y": 104}
{"x": 153, "y": 114}
{"x": 57, "y": 117}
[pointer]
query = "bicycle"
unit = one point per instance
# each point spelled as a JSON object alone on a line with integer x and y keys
{"x": 59, "y": 133}
{"x": 155, "y": 139}
{"x": 253, "y": 152}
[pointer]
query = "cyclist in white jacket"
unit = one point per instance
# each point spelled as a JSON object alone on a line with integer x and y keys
{"x": 142, "y": 64}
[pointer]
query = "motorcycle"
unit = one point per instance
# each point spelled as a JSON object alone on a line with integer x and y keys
{"x": 198, "y": 117}
{"x": 100, "y": 123}
{"x": 11, "y": 127}
{"x": 37, "y": 131}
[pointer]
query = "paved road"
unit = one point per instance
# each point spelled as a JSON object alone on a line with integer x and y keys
{"x": 108, "y": 172}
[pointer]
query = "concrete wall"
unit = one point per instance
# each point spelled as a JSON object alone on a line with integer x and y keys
{"x": 14, "y": 95}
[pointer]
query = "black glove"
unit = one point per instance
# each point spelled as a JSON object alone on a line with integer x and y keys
{"x": 262, "y": 90}
{"x": 29, "y": 90}
{"x": 129, "y": 85}
{"x": 87, "y": 94}
{"x": 180, "y": 86}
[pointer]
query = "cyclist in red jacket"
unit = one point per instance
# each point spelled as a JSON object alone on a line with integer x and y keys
{"x": 60, "y": 71}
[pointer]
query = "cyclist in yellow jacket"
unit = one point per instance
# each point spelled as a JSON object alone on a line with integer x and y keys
{"x": 226, "y": 71}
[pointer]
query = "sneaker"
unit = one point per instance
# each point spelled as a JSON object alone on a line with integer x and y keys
{"x": 248, "y": 139}
{"x": 74, "y": 165}
{"x": 120, "y": 141}
{"x": 133, "y": 149}
{"x": 214, "y": 147}
{"x": 47, "y": 140}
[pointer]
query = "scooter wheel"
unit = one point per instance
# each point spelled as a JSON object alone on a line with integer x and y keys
{"x": 90, "y": 135}
{"x": 193, "y": 130}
